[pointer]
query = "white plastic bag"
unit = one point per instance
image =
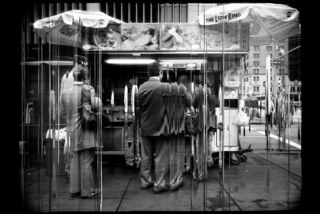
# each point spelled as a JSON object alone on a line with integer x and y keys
{"x": 241, "y": 119}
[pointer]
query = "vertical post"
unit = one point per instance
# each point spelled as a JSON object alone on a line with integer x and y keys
{"x": 289, "y": 118}
{"x": 268, "y": 65}
{"x": 100, "y": 133}
{"x": 299, "y": 118}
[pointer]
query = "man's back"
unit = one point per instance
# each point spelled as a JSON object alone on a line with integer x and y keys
{"x": 70, "y": 103}
{"x": 151, "y": 107}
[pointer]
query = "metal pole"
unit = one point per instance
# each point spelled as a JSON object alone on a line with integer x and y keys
{"x": 289, "y": 118}
{"x": 268, "y": 65}
{"x": 299, "y": 119}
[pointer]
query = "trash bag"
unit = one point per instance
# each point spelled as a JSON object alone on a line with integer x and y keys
{"x": 241, "y": 119}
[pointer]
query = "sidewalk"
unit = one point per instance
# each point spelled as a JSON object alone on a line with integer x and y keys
{"x": 268, "y": 180}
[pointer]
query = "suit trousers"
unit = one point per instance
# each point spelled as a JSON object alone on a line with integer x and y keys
{"x": 157, "y": 146}
{"x": 81, "y": 172}
{"x": 177, "y": 155}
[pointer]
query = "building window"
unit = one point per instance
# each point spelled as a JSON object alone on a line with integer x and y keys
{"x": 269, "y": 48}
{"x": 298, "y": 89}
{"x": 281, "y": 47}
{"x": 256, "y": 48}
{"x": 256, "y": 63}
{"x": 256, "y": 78}
{"x": 293, "y": 89}
{"x": 256, "y": 88}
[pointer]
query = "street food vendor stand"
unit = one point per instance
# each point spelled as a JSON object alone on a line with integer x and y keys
{"x": 209, "y": 49}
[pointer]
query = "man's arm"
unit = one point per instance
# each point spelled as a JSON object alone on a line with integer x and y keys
{"x": 137, "y": 109}
{"x": 187, "y": 96}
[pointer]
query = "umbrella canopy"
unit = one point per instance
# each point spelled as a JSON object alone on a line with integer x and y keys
{"x": 267, "y": 21}
{"x": 67, "y": 28}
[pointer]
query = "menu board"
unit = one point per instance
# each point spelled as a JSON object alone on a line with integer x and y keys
{"x": 170, "y": 36}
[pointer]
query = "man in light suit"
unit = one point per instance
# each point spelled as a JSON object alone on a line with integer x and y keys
{"x": 82, "y": 143}
{"x": 151, "y": 109}
{"x": 79, "y": 62}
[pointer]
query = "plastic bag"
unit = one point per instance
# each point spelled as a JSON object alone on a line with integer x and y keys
{"x": 241, "y": 119}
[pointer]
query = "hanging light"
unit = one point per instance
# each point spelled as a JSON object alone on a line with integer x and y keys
{"x": 182, "y": 61}
{"x": 129, "y": 61}
{"x": 86, "y": 47}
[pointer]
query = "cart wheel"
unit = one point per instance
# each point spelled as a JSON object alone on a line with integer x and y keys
{"x": 235, "y": 162}
{"x": 243, "y": 158}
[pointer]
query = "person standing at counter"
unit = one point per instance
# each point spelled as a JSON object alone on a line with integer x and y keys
{"x": 79, "y": 62}
{"x": 82, "y": 139}
{"x": 154, "y": 145}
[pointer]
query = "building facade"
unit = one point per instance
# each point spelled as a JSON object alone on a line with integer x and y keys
{"x": 253, "y": 78}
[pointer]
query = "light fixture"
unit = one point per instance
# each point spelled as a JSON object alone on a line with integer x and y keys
{"x": 129, "y": 61}
{"x": 49, "y": 62}
{"x": 182, "y": 61}
{"x": 191, "y": 65}
{"x": 86, "y": 47}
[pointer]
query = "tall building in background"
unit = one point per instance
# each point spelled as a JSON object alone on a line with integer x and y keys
{"x": 253, "y": 78}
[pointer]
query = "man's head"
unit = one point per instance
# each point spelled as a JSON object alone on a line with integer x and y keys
{"x": 154, "y": 69}
{"x": 80, "y": 75}
{"x": 80, "y": 61}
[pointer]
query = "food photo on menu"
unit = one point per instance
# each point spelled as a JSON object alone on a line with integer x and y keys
{"x": 108, "y": 38}
{"x": 213, "y": 37}
{"x": 180, "y": 36}
{"x": 140, "y": 36}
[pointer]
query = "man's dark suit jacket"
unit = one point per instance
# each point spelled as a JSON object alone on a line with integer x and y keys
{"x": 151, "y": 108}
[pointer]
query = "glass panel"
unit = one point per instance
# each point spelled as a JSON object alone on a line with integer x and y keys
{"x": 206, "y": 80}
{"x": 53, "y": 167}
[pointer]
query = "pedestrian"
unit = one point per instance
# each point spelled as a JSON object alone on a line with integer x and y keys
{"x": 183, "y": 79}
{"x": 204, "y": 151}
{"x": 180, "y": 99}
{"x": 82, "y": 134}
{"x": 154, "y": 145}
{"x": 79, "y": 62}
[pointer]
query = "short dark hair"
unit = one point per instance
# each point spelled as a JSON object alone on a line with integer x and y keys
{"x": 153, "y": 69}
{"x": 79, "y": 59}
{"x": 80, "y": 75}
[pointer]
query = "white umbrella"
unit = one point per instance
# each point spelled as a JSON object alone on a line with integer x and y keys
{"x": 267, "y": 21}
{"x": 66, "y": 28}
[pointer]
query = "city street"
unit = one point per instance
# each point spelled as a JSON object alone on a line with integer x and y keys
{"x": 268, "y": 180}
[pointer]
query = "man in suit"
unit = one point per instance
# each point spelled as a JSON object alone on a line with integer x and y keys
{"x": 79, "y": 62}
{"x": 82, "y": 143}
{"x": 151, "y": 111}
